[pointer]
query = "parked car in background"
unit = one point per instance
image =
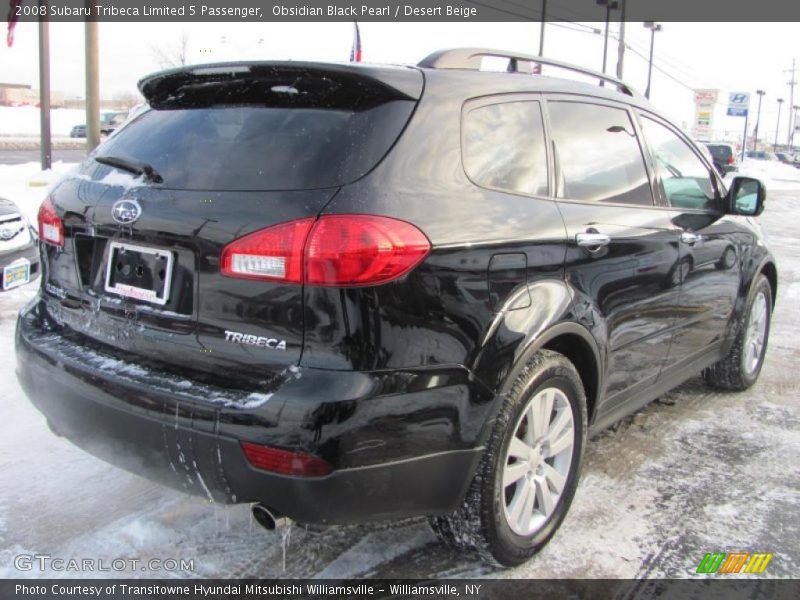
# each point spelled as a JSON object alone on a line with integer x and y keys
{"x": 109, "y": 121}
{"x": 360, "y": 292}
{"x": 786, "y": 158}
{"x": 19, "y": 250}
{"x": 761, "y": 155}
{"x": 724, "y": 157}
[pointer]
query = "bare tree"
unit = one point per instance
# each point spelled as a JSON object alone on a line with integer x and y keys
{"x": 173, "y": 55}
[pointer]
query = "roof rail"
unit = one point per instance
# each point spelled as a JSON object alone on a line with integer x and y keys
{"x": 471, "y": 58}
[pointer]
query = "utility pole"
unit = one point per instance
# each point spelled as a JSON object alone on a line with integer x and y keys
{"x": 610, "y": 5}
{"x": 621, "y": 47}
{"x": 793, "y": 125}
{"x": 44, "y": 92}
{"x": 791, "y": 85}
{"x": 541, "y": 29}
{"x": 92, "y": 87}
{"x": 758, "y": 118}
{"x": 653, "y": 27}
{"x": 777, "y": 125}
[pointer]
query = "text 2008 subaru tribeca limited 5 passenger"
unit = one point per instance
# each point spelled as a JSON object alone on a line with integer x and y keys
{"x": 352, "y": 292}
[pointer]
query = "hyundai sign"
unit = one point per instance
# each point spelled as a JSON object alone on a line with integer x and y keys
{"x": 738, "y": 103}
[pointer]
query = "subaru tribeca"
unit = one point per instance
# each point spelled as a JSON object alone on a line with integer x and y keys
{"x": 355, "y": 292}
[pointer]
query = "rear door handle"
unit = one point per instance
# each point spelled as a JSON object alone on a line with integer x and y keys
{"x": 592, "y": 240}
{"x": 687, "y": 237}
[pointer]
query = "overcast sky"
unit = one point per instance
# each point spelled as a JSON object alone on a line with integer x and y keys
{"x": 732, "y": 57}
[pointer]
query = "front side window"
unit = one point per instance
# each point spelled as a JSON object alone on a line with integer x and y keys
{"x": 685, "y": 179}
{"x": 598, "y": 155}
{"x": 504, "y": 147}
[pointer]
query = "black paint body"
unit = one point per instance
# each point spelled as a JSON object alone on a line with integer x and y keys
{"x": 395, "y": 385}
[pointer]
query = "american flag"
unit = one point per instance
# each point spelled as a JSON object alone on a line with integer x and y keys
{"x": 355, "y": 50}
{"x": 12, "y": 20}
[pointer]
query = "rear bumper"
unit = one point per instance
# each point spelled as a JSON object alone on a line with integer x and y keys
{"x": 401, "y": 444}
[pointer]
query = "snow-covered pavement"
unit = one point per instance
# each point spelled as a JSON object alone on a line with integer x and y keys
{"x": 697, "y": 471}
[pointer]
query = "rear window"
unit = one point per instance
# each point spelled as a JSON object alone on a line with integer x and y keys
{"x": 720, "y": 152}
{"x": 598, "y": 154}
{"x": 241, "y": 148}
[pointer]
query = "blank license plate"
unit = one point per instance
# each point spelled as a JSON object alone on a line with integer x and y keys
{"x": 139, "y": 272}
{"x": 16, "y": 274}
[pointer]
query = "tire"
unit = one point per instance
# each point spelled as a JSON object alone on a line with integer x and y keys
{"x": 727, "y": 260}
{"x": 487, "y": 521}
{"x": 741, "y": 367}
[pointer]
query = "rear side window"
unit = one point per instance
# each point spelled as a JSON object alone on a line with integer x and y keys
{"x": 685, "y": 179}
{"x": 242, "y": 148}
{"x": 598, "y": 154}
{"x": 504, "y": 147}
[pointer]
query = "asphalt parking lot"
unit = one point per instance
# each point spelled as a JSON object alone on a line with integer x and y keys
{"x": 696, "y": 471}
{"x": 18, "y": 157}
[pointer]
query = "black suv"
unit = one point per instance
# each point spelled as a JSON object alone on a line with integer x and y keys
{"x": 352, "y": 292}
{"x": 724, "y": 157}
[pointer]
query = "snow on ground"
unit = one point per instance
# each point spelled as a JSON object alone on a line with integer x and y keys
{"x": 24, "y": 120}
{"x": 697, "y": 471}
{"x": 776, "y": 175}
{"x": 27, "y": 184}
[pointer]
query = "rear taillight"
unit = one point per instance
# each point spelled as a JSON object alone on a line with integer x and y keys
{"x": 362, "y": 250}
{"x": 336, "y": 250}
{"x": 271, "y": 254}
{"x": 51, "y": 227}
{"x": 285, "y": 462}
{"x": 731, "y": 160}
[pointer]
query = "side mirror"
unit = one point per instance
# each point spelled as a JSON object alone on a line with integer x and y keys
{"x": 746, "y": 197}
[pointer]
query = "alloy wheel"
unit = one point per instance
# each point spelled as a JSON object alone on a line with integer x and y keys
{"x": 538, "y": 461}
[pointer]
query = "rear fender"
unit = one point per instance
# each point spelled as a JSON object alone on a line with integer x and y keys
{"x": 516, "y": 335}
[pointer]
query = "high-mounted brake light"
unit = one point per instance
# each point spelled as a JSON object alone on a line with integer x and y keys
{"x": 285, "y": 462}
{"x": 335, "y": 250}
{"x": 51, "y": 227}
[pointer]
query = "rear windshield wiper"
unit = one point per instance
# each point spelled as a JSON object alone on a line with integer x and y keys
{"x": 132, "y": 166}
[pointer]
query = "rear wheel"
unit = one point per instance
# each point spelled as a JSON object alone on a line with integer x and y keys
{"x": 529, "y": 471}
{"x": 741, "y": 368}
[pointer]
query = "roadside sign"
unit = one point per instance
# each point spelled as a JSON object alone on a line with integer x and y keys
{"x": 704, "y": 102}
{"x": 738, "y": 103}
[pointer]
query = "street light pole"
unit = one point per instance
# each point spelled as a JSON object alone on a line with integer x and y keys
{"x": 777, "y": 125}
{"x": 92, "y": 86}
{"x": 758, "y": 118}
{"x": 653, "y": 27}
{"x": 793, "y": 125}
{"x": 610, "y": 5}
{"x": 541, "y": 29}
{"x": 44, "y": 93}
{"x": 621, "y": 47}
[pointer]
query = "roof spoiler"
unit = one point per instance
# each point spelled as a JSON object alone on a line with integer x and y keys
{"x": 289, "y": 83}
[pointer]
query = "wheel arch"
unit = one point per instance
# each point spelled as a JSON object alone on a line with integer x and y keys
{"x": 578, "y": 345}
{"x": 770, "y": 271}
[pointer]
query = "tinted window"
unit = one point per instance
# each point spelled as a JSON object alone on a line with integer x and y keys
{"x": 685, "y": 178}
{"x": 598, "y": 154}
{"x": 259, "y": 148}
{"x": 720, "y": 152}
{"x": 504, "y": 147}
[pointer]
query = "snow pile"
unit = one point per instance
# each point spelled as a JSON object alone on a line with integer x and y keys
{"x": 25, "y": 120}
{"x": 27, "y": 185}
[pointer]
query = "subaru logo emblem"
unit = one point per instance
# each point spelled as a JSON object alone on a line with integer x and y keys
{"x": 126, "y": 212}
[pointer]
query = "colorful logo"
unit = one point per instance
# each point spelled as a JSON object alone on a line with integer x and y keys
{"x": 735, "y": 562}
